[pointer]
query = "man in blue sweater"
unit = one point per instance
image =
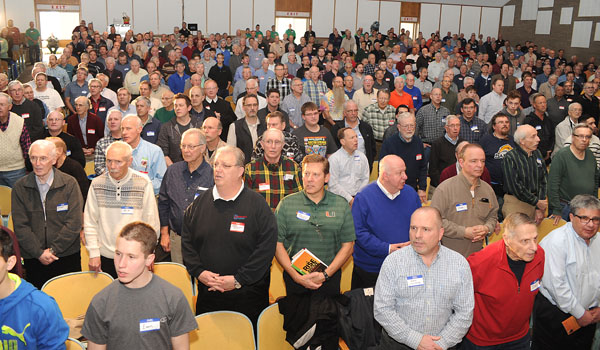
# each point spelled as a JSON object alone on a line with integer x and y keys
{"x": 381, "y": 213}
{"x": 406, "y": 145}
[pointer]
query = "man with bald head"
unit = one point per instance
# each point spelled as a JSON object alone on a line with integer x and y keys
{"x": 219, "y": 106}
{"x": 525, "y": 176}
{"x": 113, "y": 123}
{"x": 85, "y": 126}
{"x": 28, "y": 110}
{"x": 56, "y": 122}
{"x": 381, "y": 213}
{"x": 47, "y": 206}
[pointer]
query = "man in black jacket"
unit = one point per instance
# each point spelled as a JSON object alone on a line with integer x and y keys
{"x": 366, "y": 141}
{"x": 244, "y": 132}
{"x": 219, "y": 106}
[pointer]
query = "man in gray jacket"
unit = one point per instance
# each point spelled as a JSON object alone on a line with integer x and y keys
{"x": 46, "y": 208}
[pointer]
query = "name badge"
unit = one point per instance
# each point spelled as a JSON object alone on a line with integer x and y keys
{"x": 150, "y": 133}
{"x": 444, "y": 120}
{"x": 264, "y": 187}
{"x": 535, "y": 285}
{"x": 91, "y": 131}
{"x": 144, "y": 162}
{"x": 126, "y": 210}
{"x": 561, "y": 107}
{"x": 237, "y": 226}
{"x": 391, "y": 122}
{"x": 196, "y": 195}
{"x": 538, "y": 127}
{"x": 261, "y": 78}
{"x": 415, "y": 98}
{"x": 302, "y": 215}
{"x": 474, "y": 127}
{"x": 460, "y": 78}
{"x": 357, "y": 158}
{"x": 461, "y": 207}
{"x": 287, "y": 177}
{"x": 68, "y": 153}
{"x": 443, "y": 100}
{"x": 102, "y": 109}
{"x": 62, "y": 207}
{"x": 84, "y": 92}
{"x": 283, "y": 85}
{"x": 414, "y": 281}
{"x": 419, "y": 156}
{"x": 539, "y": 162}
{"x": 25, "y": 115}
{"x": 200, "y": 188}
{"x": 569, "y": 100}
{"x": 387, "y": 79}
{"x": 151, "y": 324}
{"x": 373, "y": 100}
{"x": 292, "y": 109}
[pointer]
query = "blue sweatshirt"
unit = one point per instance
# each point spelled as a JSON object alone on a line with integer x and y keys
{"x": 412, "y": 153}
{"x": 30, "y": 319}
{"x": 379, "y": 222}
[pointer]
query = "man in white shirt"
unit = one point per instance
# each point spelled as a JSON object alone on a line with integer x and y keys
{"x": 492, "y": 102}
{"x": 45, "y": 94}
{"x": 348, "y": 167}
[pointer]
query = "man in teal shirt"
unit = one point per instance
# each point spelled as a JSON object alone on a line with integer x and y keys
{"x": 320, "y": 221}
{"x": 33, "y": 42}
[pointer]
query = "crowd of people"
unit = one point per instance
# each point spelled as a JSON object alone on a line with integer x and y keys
{"x": 223, "y": 152}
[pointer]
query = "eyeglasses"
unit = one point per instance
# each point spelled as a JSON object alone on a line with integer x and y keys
{"x": 583, "y": 137}
{"x": 585, "y": 220}
{"x": 273, "y": 142}
{"x": 190, "y": 147}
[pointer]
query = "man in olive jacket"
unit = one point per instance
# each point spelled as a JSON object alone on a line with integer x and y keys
{"x": 47, "y": 211}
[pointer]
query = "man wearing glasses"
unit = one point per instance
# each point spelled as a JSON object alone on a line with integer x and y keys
{"x": 573, "y": 172}
{"x": 566, "y": 310}
{"x": 244, "y": 132}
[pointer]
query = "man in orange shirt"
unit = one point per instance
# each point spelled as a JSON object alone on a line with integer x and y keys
{"x": 399, "y": 96}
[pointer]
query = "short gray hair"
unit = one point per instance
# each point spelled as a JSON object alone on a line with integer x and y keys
{"x": 121, "y": 144}
{"x": 520, "y": 134}
{"x": 129, "y": 116}
{"x": 450, "y": 118}
{"x": 240, "y": 158}
{"x": 197, "y": 132}
{"x": 581, "y": 126}
{"x": 44, "y": 143}
{"x": 514, "y": 220}
{"x": 573, "y": 105}
{"x": 404, "y": 115}
{"x": 584, "y": 201}
{"x": 277, "y": 131}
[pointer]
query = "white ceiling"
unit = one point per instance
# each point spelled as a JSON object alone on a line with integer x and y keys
{"x": 489, "y": 3}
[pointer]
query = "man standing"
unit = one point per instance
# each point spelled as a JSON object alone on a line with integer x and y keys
{"x": 467, "y": 204}
{"x": 313, "y": 138}
{"x": 212, "y": 129}
{"x": 314, "y": 87}
{"x": 492, "y": 102}
{"x": 424, "y": 293}
{"x": 280, "y": 82}
{"x": 543, "y": 125}
{"x": 589, "y": 102}
{"x": 85, "y": 126}
{"x": 33, "y": 42}
{"x": 177, "y": 80}
{"x": 275, "y": 120}
{"x": 76, "y": 88}
{"x": 113, "y": 123}
{"x": 99, "y": 105}
{"x": 116, "y": 198}
{"x": 47, "y": 206}
{"x": 124, "y": 102}
{"x": 219, "y": 106}
{"x": 564, "y": 129}
{"x": 379, "y": 115}
{"x": 228, "y": 240}
{"x": 319, "y": 221}
{"x": 45, "y": 94}
{"x": 443, "y": 149}
{"x": 150, "y": 126}
{"x": 221, "y": 74}
{"x": 292, "y": 103}
{"x": 273, "y": 99}
{"x": 196, "y": 95}
{"x": 366, "y": 141}
{"x": 349, "y": 168}
{"x": 367, "y": 95}
{"x": 525, "y": 176}
{"x": 183, "y": 182}
{"x": 472, "y": 128}
{"x": 512, "y": 109}
{"x": 381, "y": 213}
{"x": 273, "y": 175}
{"x": 568, "y": 298}
{"x": 27, "y": 110}
{"x": 246, "y": 131}
{"x": 503, "y": 309}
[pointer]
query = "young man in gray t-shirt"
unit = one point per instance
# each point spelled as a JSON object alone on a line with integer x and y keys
{"x": 139, "y": 310}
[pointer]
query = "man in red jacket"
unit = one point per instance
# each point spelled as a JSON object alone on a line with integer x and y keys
{"x": 506, "y": 279}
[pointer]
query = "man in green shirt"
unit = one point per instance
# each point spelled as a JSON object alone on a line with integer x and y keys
{"x": 319, "y": 221}
{"x": 273, "y": 32}
{"x": 33, "y": 42}
{"x": 573, "y": 171}
{"x": 290, "y": 31}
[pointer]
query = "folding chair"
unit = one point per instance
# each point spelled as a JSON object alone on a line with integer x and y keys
{"x": 177, "y": 275}
{"x": 223, "y": 330}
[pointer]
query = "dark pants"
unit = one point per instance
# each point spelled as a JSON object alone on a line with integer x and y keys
{"x": 38, "y": 273}
{"x": 329, "y": 288}
{"x": 549, "y": 333}
{"x": 362, "y": 278}
{"x": 34, "y": 53}
{"x": 108, "y": 266}
{"x": 223, "y": 93}
{"x": 519, "y": 344}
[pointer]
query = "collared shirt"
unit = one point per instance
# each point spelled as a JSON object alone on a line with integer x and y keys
{"x": 263, "y": 78}
{"x": 571, "y": 271}
{"x": 217, "y": 195}
{"x": 44, "y": 187}
{"x": 293, "y": 105}
{"x": 472, "y": 130}
{"x": 349, "y": 173}
{"x": 24, "y": 139}
{"x": 379, "y": 119}
{"x": 178, "y": 190}
{"x": 82, "y": 126}
{"x": 284, "y": 86}
{"x": 451, "y": 140}
{"x": 391, "y": 196}
{"x": 425, "y": 87}
{"x": 412, "y": 299}
{"x": 100, "y": 153}
{"x": 336, "y": 112}
{"x": 364, "y": 99}
{"x": 273, "y": 181}
{"x": 290, "y": 148}
{"x": 431, "y": 122}
{"x": 315, "y": 91}
{"x": 525, "y": 176}
{"x": 490, "y": 104}
{"x": 148, "y": 158}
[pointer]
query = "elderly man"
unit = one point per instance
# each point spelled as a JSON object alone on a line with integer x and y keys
{"x": 246, "y": 131}
{"x": 381, "y": 213}
{"x": 589, "y": 102}
{"x": 380, "y": 114}
{"x": 539, "y": 119}
{"x": 151, "y": 126}
{"x": 348, "y": 167}
{"x": 85, "y": 126}
{"x": 230, "y": 255}
{"x": 409, "y": 147}
{"x": 399, "y": 96}
{"x": 56, "y": 122}
{"x": 113, "y": 123}
{"x": 424, "y": 293}
{"x": 27, "y": 110}
{"x": 332, "y": 103}
{"x": 565, "y": 313}
{"x": 212, "y": 129}
{"x": 292, "y": 103}
{"x": 290, "y": 149}
{"x": 525, "y": 176}
{"x": 564, "y": 129}
{"x": 573, "y": 171}
{"x": 314, "y": 87}
{"x": 183, "y": 182}
{"x": 116, "y": 198}
{"x": 273, "y": 175}
{"x": 47, "y": 206}
{"x": 492, "y": 102}
{"x": 443, "y": 149}
{"x": 365, "y": 96}
{"x": 467, "y": 204}
{"x": 219, "y": 106}
{"x": 364, "y": 131}
{"x": 70, "y": 167}
{"x": 502, "y": 312}
{"x": 319, "y": 221}
{"x": 147, "y": 157}
{"x": 132, "y": 79}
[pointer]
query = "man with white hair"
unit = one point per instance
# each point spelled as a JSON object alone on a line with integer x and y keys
{"x": 564, "y": 129}
{"x": 151, "y": 126}
{"x": 436, "y": 68}
{"x": 99, "y": 105}
{"x": 252, "y": 88}
{"x": 116, "y": 198}
{"x": 56, "y": 123}
{"x": 106, "y": 92}
{"x": 47, "y": 206}
{"x": 113, "y": 123}
{"x": 134, "y": 77}
{"x": 264, "y": 74}
{"x": 87, "y": 127}
{"x": 147, "y": 158}
{"x": 27, "y": 110}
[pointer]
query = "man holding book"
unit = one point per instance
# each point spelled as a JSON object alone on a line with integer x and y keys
{"x": 319, "y": 221}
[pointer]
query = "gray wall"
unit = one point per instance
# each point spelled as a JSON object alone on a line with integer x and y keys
{"x": 560, "y": 34}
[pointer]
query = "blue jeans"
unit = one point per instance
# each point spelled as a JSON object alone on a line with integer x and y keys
{"x": 8, "y": 178}
{"x": 566, "y": 209}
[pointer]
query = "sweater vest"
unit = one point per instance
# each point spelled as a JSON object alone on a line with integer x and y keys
{"x": 11, "y": 155}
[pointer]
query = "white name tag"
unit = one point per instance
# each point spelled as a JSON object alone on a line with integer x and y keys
{"x": 91, "y": 131}
{"x": 236, "y": 226}
{"x": 68, "y": 153}
{"x": 62, "y": 207}
{"x": 443, "y": 100}
{"x": 444, "y": 120}
{"x": 302, "y": 215}
{"x": 535, "y": 285}
{"x": 368, "y": 292}
{"x": 127, "y": 210}
{"x": 150, "y": 133}
{"x": 151, "y": 324}
{"x": 474, "y": 127}
{"x": 102, "y": 109}
{"x": 414, "y": 281}
{"x": 419, "y": 156}
{"x": 538, "y": 127}
{"x": 461, "y": 207}
{"x": 287, "y": 177}
{"x": 264, "y": 187}
{"x": 292, "y": 109}
{"x": 561, "y": 107}
{"x": 415, "y": 98}
{"x": 25, "y": 115}
{"x": 391, "y": 122}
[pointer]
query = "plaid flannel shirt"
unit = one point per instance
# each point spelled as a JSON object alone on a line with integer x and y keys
{"x": 315, "y": 91}
{"x": 284, "y": 86}
{"x": 273, "y": 181}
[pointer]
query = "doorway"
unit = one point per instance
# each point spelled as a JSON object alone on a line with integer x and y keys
{"x": 299, "y": 25}
{"x": 411, "y": 27}
{"x": 59, "y": 23}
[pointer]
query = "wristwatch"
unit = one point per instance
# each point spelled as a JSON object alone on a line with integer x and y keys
{"x": 236, "y": 284}
{"x": 326, "y": 276}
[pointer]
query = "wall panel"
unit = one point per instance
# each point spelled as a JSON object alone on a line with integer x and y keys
{"x": 389, "y": 16}
{"x": 217, "y": 16}
{"x": 490, "y": 20}
{"x": 322, "y": 17}
{"x": 264, "y": 14}
{"x": 145, "y": 17}
{"x": 195, "y": 12}
{"x": 450, "y": 19}
{"x": 345, "y": 15}
{"x": 94, "y": 11}
{"x": 116, "y": 9}
{"x": 241, "y": 15}
{"x": 21, "y": 12}
{"x": 469, "y": 20}
{"x": 430, "y": 19}
{"x": 368, "y": 12}
{"x": 169, "y": 15}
